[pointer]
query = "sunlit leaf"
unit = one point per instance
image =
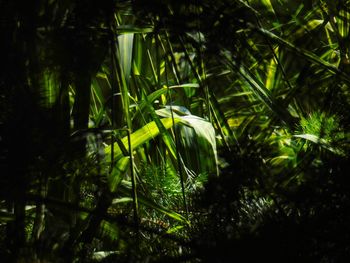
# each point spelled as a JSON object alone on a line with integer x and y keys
{"x": 142, "y": 135}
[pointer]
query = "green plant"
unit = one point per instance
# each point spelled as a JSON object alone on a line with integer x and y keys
{"x": 114, "y": 114}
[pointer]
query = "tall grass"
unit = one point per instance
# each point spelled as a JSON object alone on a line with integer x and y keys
{"x": 114, "y": 115}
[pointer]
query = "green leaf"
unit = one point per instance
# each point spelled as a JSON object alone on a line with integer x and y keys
{"x": 198, "y": 139}
{"x": 142, "y": 135}
{"x": 125, "y": 44}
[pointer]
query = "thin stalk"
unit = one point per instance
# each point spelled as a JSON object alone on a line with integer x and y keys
{"x": 114, "y": 91}
{"x": 133, "y": 182}
{"x": 151, "y": 62}
{"x": 174, "y": 67}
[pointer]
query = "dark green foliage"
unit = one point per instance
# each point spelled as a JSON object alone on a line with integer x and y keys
{"x": 101, "y": 159}
{"x": 246, "y": 220}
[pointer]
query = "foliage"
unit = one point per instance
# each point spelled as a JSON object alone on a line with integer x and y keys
{"x": 163, "y": 132}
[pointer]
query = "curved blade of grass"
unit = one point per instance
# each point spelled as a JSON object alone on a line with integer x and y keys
{"x": 142, "y": 135}
{"x": 168, "y": 140}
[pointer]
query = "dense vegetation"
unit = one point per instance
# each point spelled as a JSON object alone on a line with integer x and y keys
{"x": 175, "y": 131}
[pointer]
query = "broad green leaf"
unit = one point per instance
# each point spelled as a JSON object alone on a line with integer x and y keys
{"x": 198, "y": 139}
{"x": 204, "y": 139}
{"x": 142, "y": 135}
{"x": 125, "y": 47}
